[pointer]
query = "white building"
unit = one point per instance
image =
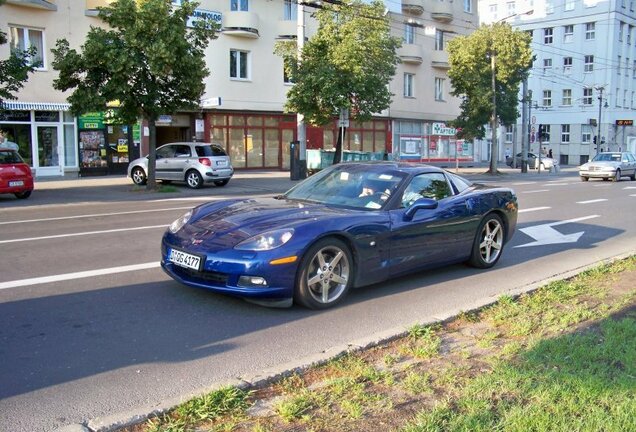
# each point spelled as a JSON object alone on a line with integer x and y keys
{"x": 245, "y": 92}
{"x": 585, "y": 68}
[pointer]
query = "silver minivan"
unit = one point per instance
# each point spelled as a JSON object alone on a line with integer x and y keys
{"x": 194, "y": 163}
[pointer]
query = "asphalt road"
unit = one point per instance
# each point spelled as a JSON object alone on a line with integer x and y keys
{"x": 92, "y": 331}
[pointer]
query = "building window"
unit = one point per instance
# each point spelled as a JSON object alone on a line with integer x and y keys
{"x": 621, "y": 28}
{"x": 567, "y": 65}
{"x": 409, "y": 34}
{"x": 624, "y": 98}
{"x": 629, "y": 34}
{"x": 631, "y": 104}
{"x": 616, "y": 103}
{"x": 408, "y": 85}
{"x": 587, "y": 96}
{"x": 239, "y": 64}
{"x": 589, "y": 63}
{"x": 23, "y": 38}
{"x": 439, "y": 40}
{"x": 634, "y": 69}
{"x": 511, "y": 8}
{"x": 468, "y": 6}
{"x": 290, "y": 10}
{"x": 569, "y": 5}
{"x": 620, "y": 60}
{"x": 565, "y": 133}
{"x": 439, "y": 89}
{"x": 493, "y": 11}
{"x": 590, "y": 31}
{"x": 546, "y": 133}
{"x": 627, "y": 66}
{"x": 509, "y": 133}
{"x": 547, "y": 98}
{"x": 568, "y": 33}
{"x": 547, "y": 65}
{"x": 567, "y": 97}
{"x": 547, "y": 35}
{"x": 586, "y": 133}
{"x": 239, "y": 5}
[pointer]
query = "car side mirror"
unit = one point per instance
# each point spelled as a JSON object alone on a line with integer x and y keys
{"x": 420, "y": 204}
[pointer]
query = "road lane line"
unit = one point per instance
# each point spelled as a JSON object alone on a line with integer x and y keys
{"x": 82, "y": 234}
{"x": 630, "y": 187}
{"x": 537, "y": 191}
{"x": 523, "y": 183}
{"x": 77, "y": 275}
{"x": 94, "y": 215}
{"x": 534, "y": 209}
{"x": 592, "y": 201}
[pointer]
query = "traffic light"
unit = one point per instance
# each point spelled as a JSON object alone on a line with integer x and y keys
{"x": 541, "y": 132}
{"x": 594, "y": 139}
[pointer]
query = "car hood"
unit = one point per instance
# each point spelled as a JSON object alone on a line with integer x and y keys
{"x": 227, "y": 223}
{"x": 601, "y": 164}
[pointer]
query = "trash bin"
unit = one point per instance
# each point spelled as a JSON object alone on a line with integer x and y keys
{"x": 297, "y": 167}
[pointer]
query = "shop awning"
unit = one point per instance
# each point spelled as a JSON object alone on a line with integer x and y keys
{"x": 37, "y": 106}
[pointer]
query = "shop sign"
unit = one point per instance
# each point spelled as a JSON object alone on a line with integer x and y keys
{"x": 164, "y": 119}
{"x": 136, "y": 132}
{"x": 47, "y": 116}
{"x": 442, "y": 129}
{"x": 204, "y": 14}
{"x": 92, "y": 120}
{"x": 19, "y": 116}
{"x": 624, "y": 122}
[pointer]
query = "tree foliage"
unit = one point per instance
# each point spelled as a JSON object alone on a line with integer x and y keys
{"x": 347, "y": 64}
{"x": 147, "y": 62}
{"x": 471, "y": 74}
{"x": 14, "y": 71}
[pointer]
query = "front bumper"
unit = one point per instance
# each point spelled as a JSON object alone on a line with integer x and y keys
{"x": 597, "y": 174}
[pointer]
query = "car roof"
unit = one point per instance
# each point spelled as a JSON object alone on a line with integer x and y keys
{"x": 407, "y": 167}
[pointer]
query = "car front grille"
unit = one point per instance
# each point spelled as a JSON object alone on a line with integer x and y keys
{"x": 207, "y": 276}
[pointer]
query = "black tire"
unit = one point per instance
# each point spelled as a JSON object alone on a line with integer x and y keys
{"x": 633, "y": 176}
{"x": 326, "y": 264}
{"x": 584, "y": 178}
{"x": 138, "y": 176}
{"x": 193, "y": 179}
{"x": 617, "y": 176}
{"x": 23, "y": 195}
{"x": 489, "y": 242}
{"x": 221, "y": 182}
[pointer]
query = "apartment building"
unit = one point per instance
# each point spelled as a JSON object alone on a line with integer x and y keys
{"x": 583, "y": 81}
{"x": 242, "y": 107}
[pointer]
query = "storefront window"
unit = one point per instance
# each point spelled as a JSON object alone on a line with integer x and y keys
{"x": 237, "y": 148}
{"x": 69, "y": 146}
{"x": 236, "y": 120}
{"x": 272, "y": 146}
{"x": 217, "y": 135}
{"x": 255, "y": 121}
{"x": 367, "y": 141}
{"x": 21, "y": 135}
{"x": 218, "y": 120}
{"x": 271, "y": 121}
{"x": 254, "y": 143}
{"x": 287, "y": 137}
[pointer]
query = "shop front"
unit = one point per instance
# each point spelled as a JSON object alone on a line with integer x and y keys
{"x": 429, "y": 142}
{"x": 45, "y": 135}
{"x": 105, "y": 148}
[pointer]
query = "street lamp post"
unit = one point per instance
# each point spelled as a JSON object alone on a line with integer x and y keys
{"x": 493, "y": 121}
{"x": 600, "y": 111}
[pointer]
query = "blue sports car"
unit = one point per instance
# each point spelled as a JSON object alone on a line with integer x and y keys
{"x": 350, "y": 225}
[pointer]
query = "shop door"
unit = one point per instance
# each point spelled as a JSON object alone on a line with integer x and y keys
{"x": 49, "y": 152}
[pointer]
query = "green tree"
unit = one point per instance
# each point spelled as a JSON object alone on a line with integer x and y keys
{"x": 15, "y": 70}
{"x": 148, "y": 62}
{"x": 347, "y": 64}
{"x": 471, "y": 59}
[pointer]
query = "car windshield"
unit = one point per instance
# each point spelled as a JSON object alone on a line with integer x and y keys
{"x": 9, "y": 157}
{"x": 351, "y": 185}
{"x": 615, "y": 157}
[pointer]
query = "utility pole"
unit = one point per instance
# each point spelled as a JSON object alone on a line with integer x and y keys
{"x": 600, "y": 111}
{"x": 300, "y": 118}
{"x": 525, "y": 123}
{"x": 524, "y": 150}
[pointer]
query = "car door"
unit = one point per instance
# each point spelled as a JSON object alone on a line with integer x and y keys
{"x": 181, "y": 161}
{"x": 433, "y": 236}
{"x": 629, "y": 163}
{"x": 162, "y": 164}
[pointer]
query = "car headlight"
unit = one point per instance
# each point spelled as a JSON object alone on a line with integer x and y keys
{"x": 179, "y": 223}
{"x": 266, "y": 241}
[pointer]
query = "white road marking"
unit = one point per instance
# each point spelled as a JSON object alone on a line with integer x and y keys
{"x": 94, "y": 215}
{"x": 630, "y": 187}
{"x": 544, "y": 234}
{"x": 592, "y": 201}
{"x": 537, "y": 191}
{"x": 534, "y": 209}
{"x": 81, "y": 234}
{"x": 559, "y": 184}
{"x": 523, "y": 183}
{"x": 77, "y": 275}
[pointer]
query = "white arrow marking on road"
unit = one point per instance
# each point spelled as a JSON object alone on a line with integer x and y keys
{"x": 545, "y": 235}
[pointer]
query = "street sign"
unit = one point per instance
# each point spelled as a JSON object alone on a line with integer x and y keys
{"x": 343, "y": 121}
{"x": 624, "y": 122}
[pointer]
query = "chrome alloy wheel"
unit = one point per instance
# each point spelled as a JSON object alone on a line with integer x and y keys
{"x": 491, "y": 241}
{"x": 328, "y": 274}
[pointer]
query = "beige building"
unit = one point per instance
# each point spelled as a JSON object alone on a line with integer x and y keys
{"x": 242, "y": 107}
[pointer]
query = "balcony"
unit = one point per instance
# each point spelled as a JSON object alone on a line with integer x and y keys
{"x": 439, "y": 59}
{"x": 92, "y": 5}
{"x": 286, "y": 29}
{"x": 415, "y": 7}
{"x": 241, "y": 24}
{"x": 441, "y": 11}
{"x": 36, "y": 4}
{"x": 411, "y": 53}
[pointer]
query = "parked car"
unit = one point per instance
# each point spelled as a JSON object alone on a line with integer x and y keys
{"x": 349, "y": 225}
{"x": 194, "y": 163}
{"x": 15, "y": 175}
{"x": 609, "y": 165}
{"x": 547, "y": 163}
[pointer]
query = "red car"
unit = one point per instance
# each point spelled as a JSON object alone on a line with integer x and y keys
{"x": 15, "y": 175}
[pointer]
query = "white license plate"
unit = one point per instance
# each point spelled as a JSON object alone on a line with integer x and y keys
{"x": 221, "y": 163}
{"x": 184, "y": 259}
{"x": 16, "y": 183}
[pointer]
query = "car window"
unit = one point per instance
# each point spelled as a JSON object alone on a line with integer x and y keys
{"x": 460, "y": 184}
{"x": 165, "y": 152}
{"x": 210, "y": 150}
{"x": 631, "y": 157}
{"x": 181, "y": 151}
{"x": 429, "y": 185}
{"x": 9, "y": 157}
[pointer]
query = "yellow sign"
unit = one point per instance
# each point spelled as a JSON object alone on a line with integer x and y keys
{"x": 122, "y": 148}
